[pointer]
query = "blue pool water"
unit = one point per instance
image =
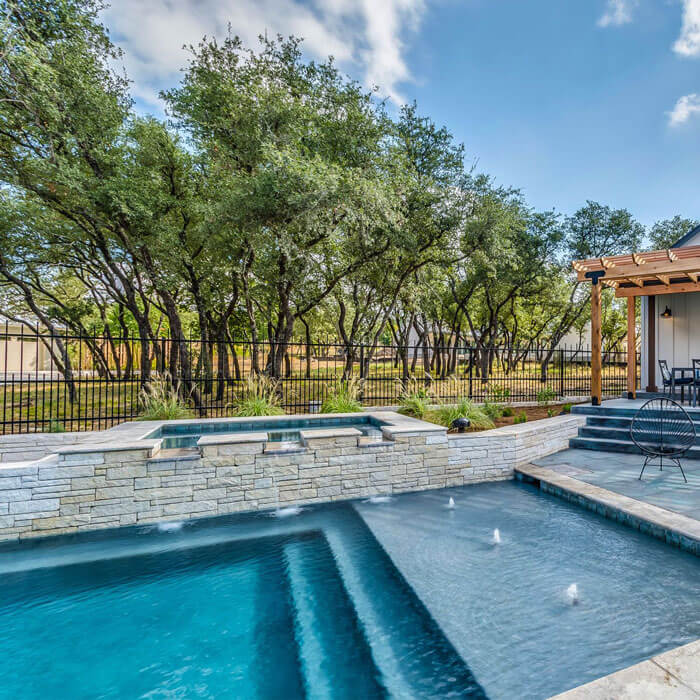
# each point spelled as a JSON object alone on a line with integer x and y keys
{"x": 178, "y": 435}
{"x": 404, "y": 598}
{"x": 248, "y": 609}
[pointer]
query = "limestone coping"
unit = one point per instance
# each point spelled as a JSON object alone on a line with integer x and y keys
{"x": 328, "y": 433}
{"x": 231, "y": 439}
{"x": 91, "y": 448}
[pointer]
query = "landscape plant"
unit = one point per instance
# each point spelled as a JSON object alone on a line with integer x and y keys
{"x": 260, "y": 397}
{"x": 415, "y": 399}
{"x": 343, "y": 397}
{"x": 445, "y": 414}
{"x": 161, "y": 400}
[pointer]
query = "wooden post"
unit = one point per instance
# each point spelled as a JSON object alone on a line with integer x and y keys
{"x": 651, "y": 344}
{"x": 596, "y": 342}
{"x": 631, "y": 349}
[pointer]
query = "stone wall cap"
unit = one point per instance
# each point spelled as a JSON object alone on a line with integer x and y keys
{"x": 147, "y": 445}
{"x": 231, "y": 439}
{"x": 326, "y": 433}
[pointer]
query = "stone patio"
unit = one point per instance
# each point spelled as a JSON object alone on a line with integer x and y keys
{"x": 619, "y": 472}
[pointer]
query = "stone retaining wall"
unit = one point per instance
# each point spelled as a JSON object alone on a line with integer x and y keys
{"x": 86, "y": 487}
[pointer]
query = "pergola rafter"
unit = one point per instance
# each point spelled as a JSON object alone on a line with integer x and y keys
{"x": 667, "y": 271}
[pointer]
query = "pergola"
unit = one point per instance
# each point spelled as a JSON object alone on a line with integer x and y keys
{"x": 669, "y": 271}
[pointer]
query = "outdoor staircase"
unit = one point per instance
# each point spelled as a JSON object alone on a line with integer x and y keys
{"x": 607, "y": 429}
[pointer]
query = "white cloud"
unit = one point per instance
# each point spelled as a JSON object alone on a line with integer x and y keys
{"x": 617, "y": 13}
{"x": 363, "y": 35}
{"x": 688, "y": 43}
{"x": 687, "y": 106}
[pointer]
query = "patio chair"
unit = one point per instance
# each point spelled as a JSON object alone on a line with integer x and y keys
{"x": 696, "y": 381}
{"x": 668, "y": 380}
{"x": 662, "y": 428}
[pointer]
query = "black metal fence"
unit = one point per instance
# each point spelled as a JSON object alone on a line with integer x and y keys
{"x": 68, "y": 382}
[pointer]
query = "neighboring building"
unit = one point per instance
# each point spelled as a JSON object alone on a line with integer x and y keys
{"x": 676, "y": 338}
{"x": 21, "y": 351}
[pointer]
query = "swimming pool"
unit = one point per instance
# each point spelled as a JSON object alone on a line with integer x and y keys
{"x": 186, "y": 434}
{"x": 397, "y": 598}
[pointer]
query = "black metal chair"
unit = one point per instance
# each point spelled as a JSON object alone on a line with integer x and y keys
{"x": 696, "y": 381}
{"x": 670, "y": 383}
{"x": 662, "y": 428}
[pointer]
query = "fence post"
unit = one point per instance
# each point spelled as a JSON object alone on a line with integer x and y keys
{"x": 561, "y": 372}
{"x": 471, "y": 372}
{"x": 362, "y": 361}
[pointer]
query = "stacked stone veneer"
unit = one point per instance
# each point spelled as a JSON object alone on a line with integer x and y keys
{"x": 86, "y": 487}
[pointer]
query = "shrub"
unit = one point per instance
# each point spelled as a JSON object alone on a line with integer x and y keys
{"x": 494, "y": 410}
{"x": 160, "y": 400}
{"x": 550, "y": 412}
{"x": 500, "y": 394}
{"x": 566, "y": 408}
{"x": 508, "y": 412}
{"x": 414, "y": 399}
{"x": 343, "y": 397}
{"x": 56, "y": 427}
{"x": 545, "y": 396}
{"x": 521, "y": 418}
{"x": 446, "y": 413}
{"x": 259, "y": 398}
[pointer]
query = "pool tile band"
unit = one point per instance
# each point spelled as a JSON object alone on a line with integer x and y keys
{"x": 673, "y": 528}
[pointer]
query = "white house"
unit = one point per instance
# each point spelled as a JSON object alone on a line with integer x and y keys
{"x": 674, "y": 336}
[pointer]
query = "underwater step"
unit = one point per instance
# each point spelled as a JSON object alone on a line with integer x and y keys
{"x": 413, "y": 655}
{"x": 335, "y": 656}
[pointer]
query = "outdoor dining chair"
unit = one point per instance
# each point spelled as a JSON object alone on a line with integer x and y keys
{"x": 662, "y": 428}
{"x": 669, "y": 382}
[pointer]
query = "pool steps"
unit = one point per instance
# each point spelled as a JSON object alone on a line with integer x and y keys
{"x": 607, "y": 429}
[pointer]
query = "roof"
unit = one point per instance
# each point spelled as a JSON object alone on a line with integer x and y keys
{"x": 688, "y": 237}
{"x": 647, "y": 273}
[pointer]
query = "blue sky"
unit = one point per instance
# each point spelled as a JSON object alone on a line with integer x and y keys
{"x": 567, "y": 99}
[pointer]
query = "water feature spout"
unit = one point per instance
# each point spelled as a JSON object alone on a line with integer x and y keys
{"x": 379, "y": 499}
{"x": 170, "y": 527}
{"x": 497, "y": 536}
{"x": 451, "y": 503}
{"x": 288, "y": 511}
{"x": 572, "y": 594}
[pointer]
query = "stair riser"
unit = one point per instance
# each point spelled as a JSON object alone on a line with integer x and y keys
{"x": 601, "y": 412}
{"x": 612, "y": 434}
{"x": 582, "y": 443}
{"x": 605, "y": 422}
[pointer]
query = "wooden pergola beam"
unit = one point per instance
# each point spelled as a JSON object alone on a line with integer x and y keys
{"x": 650, "y": 269}
{"x": 656, "y": 289}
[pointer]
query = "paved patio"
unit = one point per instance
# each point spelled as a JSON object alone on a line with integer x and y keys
{"x": 619, "y": 472}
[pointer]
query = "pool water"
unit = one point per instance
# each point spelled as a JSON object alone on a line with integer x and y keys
{"x": 183, "y": 435}
{"x": 256, "y": 609}
{"x": 404, "y": 598}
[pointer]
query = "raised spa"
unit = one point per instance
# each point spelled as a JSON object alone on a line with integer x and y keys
{"x": 187, "y": 433}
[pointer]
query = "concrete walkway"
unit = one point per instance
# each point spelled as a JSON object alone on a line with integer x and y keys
{"x": 620, "y": 473}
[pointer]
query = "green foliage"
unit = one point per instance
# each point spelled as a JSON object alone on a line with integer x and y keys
{"x": 160, "y": 400}
{"x": 343, "y": 397}
{"x": 56, "y": 427}
{"x": 663, "y": 234}
{"x": 464, "y": 408}
{"x": 259, "y": 398}
{"x": 545, "y": 396}
{"x": 520, "y": 418}
{"x": 499, "y": 393}
{"x": 550, "y": 412}
{"x": 494, "y": 410}
{"x": 566, "y": 408}
{"x": 415, "y": 399}
{"x": 508, "y": 411}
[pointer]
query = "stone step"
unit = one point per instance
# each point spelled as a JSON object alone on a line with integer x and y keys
{"x": 617, "y": 412}
{"x": 597, "y": 444}
{"x": 613, "y": 433}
